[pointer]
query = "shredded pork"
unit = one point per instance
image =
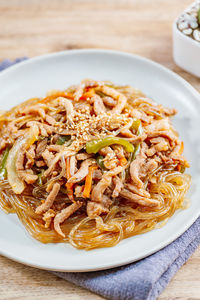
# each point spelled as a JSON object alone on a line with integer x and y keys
{"x": 82, "y": 172}
{"x": 135, "y": 169}
{"x": 50, "y": 199}
{"x": 99, "y": 107}
{"x": 139, "y": 199}
{"x": 99, "y": 189}
{"x": 64, "y": 215}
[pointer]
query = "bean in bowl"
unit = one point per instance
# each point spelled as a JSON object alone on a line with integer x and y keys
{"x": 189, "y": 21}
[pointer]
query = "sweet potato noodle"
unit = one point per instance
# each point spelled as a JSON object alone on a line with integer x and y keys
{"x": 91, "y": 165}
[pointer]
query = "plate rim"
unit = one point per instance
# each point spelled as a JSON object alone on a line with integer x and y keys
{"x": 100, "y": 50}
{"x": 178, "y": 233}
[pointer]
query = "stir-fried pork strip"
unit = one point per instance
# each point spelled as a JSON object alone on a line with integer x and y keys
{"x": 82, "y": 172}
{"x": 158, "y": 125}
{"x": 50, "y": 199}
{"x": 73, "y": 165}
{"x": 83, "y": 156}
{"x": 109, "y": 101}
{"x": 141, "y": 192}
{"x": 118, "y": 186}
{"x": 65, "y": 214}
{"x": 121, "y": 99}
{"x": 41, "y": 146}
{"x": 135, "y": 169}
{"x": 139, "y": 199}
{"x": 26, "y": 175}
{"x": 48, "y": 157}
{"x": 99, "y": 189}
{"x": 48, "y": 217}
{"x": 96, "y": 209}
{"x": 67, "y": 104}
{"x": 30, "y": 156}
{"x": 99, "y": 107}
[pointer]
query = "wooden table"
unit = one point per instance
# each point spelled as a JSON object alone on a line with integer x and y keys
{"x": 142, "y": 27}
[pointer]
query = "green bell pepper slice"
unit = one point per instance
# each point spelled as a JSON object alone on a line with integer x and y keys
{"x": 95, "y": 145}
{"x": 40, "y": 179}
{"x": 100, "y": 162}
{"x": 136, "y": 126}
{"x": 198, "y": 16}
{"x": 3, "y": 171}
{"x": 63, "y": 139}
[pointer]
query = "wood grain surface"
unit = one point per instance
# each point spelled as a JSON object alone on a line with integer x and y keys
{"x": 34, "y": 27}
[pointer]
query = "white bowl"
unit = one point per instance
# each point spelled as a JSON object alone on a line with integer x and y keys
{"x": 186, "y": 51}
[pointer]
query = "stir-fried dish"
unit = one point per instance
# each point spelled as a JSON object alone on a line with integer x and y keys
{"x": 91, "y": 165}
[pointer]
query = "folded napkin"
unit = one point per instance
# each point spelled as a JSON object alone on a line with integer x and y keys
{"x": 142, "y": 280}
{"x": 7, "y": 62}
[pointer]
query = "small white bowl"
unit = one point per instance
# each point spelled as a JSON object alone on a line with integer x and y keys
{"x": 186, "y": 51}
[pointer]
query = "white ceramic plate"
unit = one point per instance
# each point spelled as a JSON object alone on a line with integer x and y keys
{"x": 57, "y": 71}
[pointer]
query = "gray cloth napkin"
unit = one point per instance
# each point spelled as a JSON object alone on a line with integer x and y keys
{"x": 141, "y": 280}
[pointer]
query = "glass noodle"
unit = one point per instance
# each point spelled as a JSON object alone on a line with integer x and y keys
{"x": 123, "y": 220}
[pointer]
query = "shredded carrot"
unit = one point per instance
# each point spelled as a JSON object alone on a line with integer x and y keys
{"x": 88, "y": 182}
{"x": 70, "y": 190}
{"x": 122, "y": 161}
{"x": 179, "y": 168}
{"x": 68, "y": 175}
{"x": 90, "y": 93}
{"x": 181, "y": 148}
